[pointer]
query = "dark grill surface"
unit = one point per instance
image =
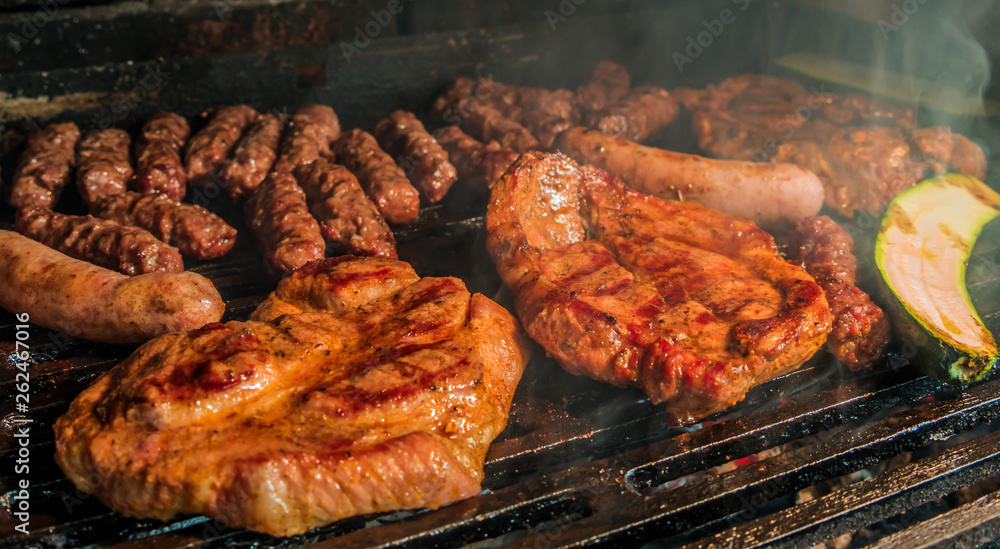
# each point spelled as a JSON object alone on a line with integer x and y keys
{"x": 585, "y": 464}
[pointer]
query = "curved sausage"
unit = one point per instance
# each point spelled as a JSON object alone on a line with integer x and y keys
{"x": 87, "y": 301}
{"x": 253, "y": 157}
{"x": 311, "y": 131}
{"x": 383, "y": 181}
{"x": 774, "y": 196}
{"x": 209, "y": 148}
{"x": 286, "y": 233}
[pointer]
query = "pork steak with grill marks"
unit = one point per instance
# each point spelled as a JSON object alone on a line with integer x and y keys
{"x": 690, "y": 304}
{"x": 356, "y": 387}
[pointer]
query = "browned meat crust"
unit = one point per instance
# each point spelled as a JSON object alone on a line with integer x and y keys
{"x": 864, "y": 150}
{"x": 608, "y": 83}
{"x": 284, "y": 230}
{"x": 253, "y": 157}
{"x": 308, "y": 137}
{"x": 861, "y": 329}
{"x": 423, "y": 160}
{"x": 210, "y": 147}
{"x": 357, "y": 387}
{"x": 159, "y": 166}
{"x": 98, "y": 304}
{"x": 642, "y": 113}
{"x": 486, "y": 123}
{"x": 346, "y": 216}
{"x": 193, "y": 230}
{"x": 129, "y": 250}
{"x": 479, "y": 164}
{"x": 105, "y": 165}
{"x": 383, "y": 181}
{"x": 690, "y": 304}
{"x": 44, "y": 167}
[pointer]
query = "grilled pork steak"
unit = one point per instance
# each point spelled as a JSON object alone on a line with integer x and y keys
{"x": 356, "y": 387}
{"x": 692, "y": 305}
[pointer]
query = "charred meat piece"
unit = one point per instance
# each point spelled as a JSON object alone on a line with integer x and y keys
{"x": 83, "y": 300}
{"x": 861, "y": 329}
{"x": 308, "y": 137}
{"x": 128, "y": 250}
{"x": 479, "y": 164}
{"x": 608, "y": 83}
{"x": 423, "y": 160}
{"x": 193, "y": 230}
{"x": 383, "y": 181}
{"x": 642, "y": 113}
{"x": 159, "y": 166}
{"x": 345, "y": 214}
{"x": 356, "y": 387}
{"x": 286, "y": 233}
{"x": 253, "y": 157}
{"x": 690, "y": 304}
{"x": 105, "y": 165}
{"x": 486, "y": 123}
{"x": 458, "y": 89}
{"x": 44, "y": 167}
{"x": 210, "y": 147}
{"x": 863, "y": 168}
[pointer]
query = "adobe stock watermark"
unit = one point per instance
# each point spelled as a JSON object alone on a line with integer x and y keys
{"x": 20, "y": 503}
{"x": 123, "y": 105}
{"x": 899, "y": 17}
{"x": 701, "y": 41}
{"x": 372, "y": 29}
{"x": 566, "y": 10}
{"x": 31, "y": 25}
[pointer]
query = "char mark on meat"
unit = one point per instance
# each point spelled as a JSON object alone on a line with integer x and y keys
{"x": 253, "y": 157}
{"x": 423, "y": 160}
{"x": 210, "y": 147}
{"x": 158, "y": 150}
{"x": 383, "y": 181}
{"x": 193, "y": 230}
{"x": 285, "y": 232}
{"x": 692, "y": 305}
{"x": 43, "y": 170}
{"x": 479, "y": 164}
{"x": 861, "y": 330}
{"x": 105, "y": 165}
{"x": 345, "y": 214}
{"x": 126, "y": 249}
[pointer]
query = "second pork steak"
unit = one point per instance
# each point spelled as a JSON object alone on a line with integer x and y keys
{"x": 690, "y": 304}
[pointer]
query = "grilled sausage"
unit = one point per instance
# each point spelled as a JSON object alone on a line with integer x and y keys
{"x": 383, "y": 181}
{"x": 861, "y": 330}
{"x": 105, "y": 165}
{"x": 91, "y": 302}
{"x": 608, "y": 83}
{"x": 642, "y": 113}
{"x": 44, "y": 167}
{"x": 209, "y": 148}
{"x": 423, "y": 160}
{"x": 346, "y": 216}
{"x": 775, "y": 196}
{"x": 159, "y": 167}
{"x": 479, "y": 164}
{"x": 253, "y": 157}
{"x": 129, "y": 250}
{"x": 193, "y": 230}
{"x": 286, "y": 233}
{"x": 487, "y": 123}
{"x": 309, "y": 134}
